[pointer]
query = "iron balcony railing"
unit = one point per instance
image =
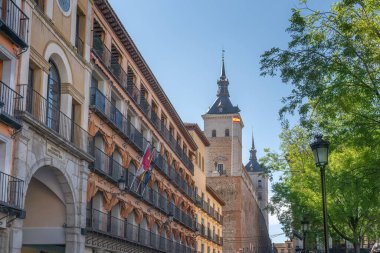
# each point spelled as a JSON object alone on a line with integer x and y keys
{"x": 109, "y": 225}
{"x": 126, "y": 81}
{"x": 10, "y": 102}
{"x": 162, "y": 164}
{"x": 158, "y": 200}
{"x": 106, "y": 165}
{"x": 207, "y": 234}
{"x": 111, "y": 114}
{"x": 145, "y": 106}
{"x": 209, "y": 210}
{"x": 101, "y": 51}
{"x": 14, "y": 22}
{"x": 132, "y": 89}
{"x": 46, "y": 113}
{"x": 11, "y": 191}
{"x": 109, "y": 168}
{"x": 119, "y": 73}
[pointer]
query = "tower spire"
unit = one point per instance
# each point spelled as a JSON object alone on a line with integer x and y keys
{"x": 223, "y": 81}
{"x": 223, "y": 70}
{"x": 253, "y": 149}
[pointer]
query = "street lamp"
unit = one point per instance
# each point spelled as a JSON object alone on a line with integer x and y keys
{"x": 305, "y": 228}
{"x": 121, "y": 183}
{"x": 320, "y": 150}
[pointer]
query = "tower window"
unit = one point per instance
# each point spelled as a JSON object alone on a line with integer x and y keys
{"x": 220, "y": 168}
{"x": 227, "y": 132}
{"x": 213, "y": 134}
{"x": 260, "y": 184}
{"x": 260, "y": 196}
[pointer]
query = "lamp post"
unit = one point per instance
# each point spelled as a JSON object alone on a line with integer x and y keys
{"x": 320, "y": 150}
{"x": 305, "y": 228}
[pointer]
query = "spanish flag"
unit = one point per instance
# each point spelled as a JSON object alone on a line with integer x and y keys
{"x": 235, "y": 119}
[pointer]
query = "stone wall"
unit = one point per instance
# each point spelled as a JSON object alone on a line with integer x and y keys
{"x": 243, "y": 223}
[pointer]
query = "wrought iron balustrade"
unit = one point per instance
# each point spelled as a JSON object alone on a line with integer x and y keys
{"x": 15, "y": 23}
{"x": 11, "y": 191}
{"x": 122, "y": 125}
{"x": 132, "y": 90}
{"x": 120, "y": 74}
{"x": 109, "y": 225}
{"x": 101, "y": 51}
{"x": 51, "y": 117}
{"x": 106, "y": 165}
{"x": 10, "y": 102}
{"x": 145, "y": 106}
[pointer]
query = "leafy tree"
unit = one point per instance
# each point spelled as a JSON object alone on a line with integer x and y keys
{"x": 353, "y": 186}
{"x": 332, "y": 63}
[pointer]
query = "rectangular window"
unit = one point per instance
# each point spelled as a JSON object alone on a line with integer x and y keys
{"x": 79, "y": 32}
{"x": 213, "y": 134}
{"x": 220, "y": 168}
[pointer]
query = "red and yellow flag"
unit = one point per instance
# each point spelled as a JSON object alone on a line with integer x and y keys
{"x": 235, "y": 119}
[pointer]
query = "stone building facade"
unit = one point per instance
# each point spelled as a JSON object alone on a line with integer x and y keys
{"x": 209, "y": 217}
{"x": 78, "y": 107}
{"x": 50, "y": 150}
{"x": 129, "y": 114}
{"x": 244, "y": 226}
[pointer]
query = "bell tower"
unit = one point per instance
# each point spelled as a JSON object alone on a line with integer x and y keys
{"x": 223, "y": 127}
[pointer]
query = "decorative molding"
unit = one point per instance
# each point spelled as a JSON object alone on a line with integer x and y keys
{"x": 39, "y": 60}
{"x": 68, "y": 88}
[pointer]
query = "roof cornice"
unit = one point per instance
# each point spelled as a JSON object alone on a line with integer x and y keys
{"x": 194, "y": 127}
{"x": 109, "y": 14}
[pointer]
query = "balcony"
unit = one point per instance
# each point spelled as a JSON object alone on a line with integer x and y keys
{"x": 10, "y": 101}
{"x": 106, "y": 166}
{"x": 208, "y": 209}
{"x": 121, "y": 229}
{"x": 14, "y": 23}
{"x": 162, "y": 164}
{"x": 157, "y": 200}
{"x": 110, "y": 114}
{"x": 11, "y": 195}
{"x": 126, "y": 82}
{"x": 145, "y": 106}
{"x": 176, "y": 147}
{"x": 45, "y": 117}
{"x": 103, "y": 53}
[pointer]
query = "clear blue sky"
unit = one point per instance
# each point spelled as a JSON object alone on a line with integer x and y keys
{"x": 182, "y": 43}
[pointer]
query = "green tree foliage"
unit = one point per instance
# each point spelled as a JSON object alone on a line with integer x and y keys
{"x": 332, "y": 63}
{"x": 353, "y": 187}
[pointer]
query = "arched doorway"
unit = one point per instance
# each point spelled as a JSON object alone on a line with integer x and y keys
{"x": 49, "y": 205}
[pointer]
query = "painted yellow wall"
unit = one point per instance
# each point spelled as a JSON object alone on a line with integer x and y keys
{"x": 62, "y": 22}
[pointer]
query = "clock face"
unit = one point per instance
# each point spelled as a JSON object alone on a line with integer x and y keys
{"x": 65, "y": 5}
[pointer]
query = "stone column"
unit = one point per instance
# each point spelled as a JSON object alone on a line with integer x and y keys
{"x": 15, "y": 236}
{"x": 4, "y": 239}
